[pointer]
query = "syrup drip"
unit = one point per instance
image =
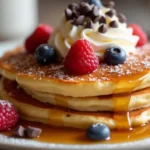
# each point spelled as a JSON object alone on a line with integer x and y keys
{"x": 122, "y": 120}
{"x": 121, "y": 106}
{"x": 57, "y": 117}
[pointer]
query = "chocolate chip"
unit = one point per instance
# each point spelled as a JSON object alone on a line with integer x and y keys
{"x": 97, "y": 19}
{"x": 33, "y": 132}
{"x": 111, "y": 13}
{"x": 95, "y": 11}
{"x": 102, "y": 28}
{"x": 69, "y": 14}
{"x": 19, "y": 131}
{"x": 89, "y": 24}
{"x": 102, "y": 20}
{"x": 83, "y": 4}
{"x": 85, "y": 9}
{"x": 79, "y": 20}
{"x": 111, "y": 4}
{"x": 76, "y": 13}
{"x": 122, "y": 18}
{"x": 73, "y": 6}
{"x": 113, "y": 24}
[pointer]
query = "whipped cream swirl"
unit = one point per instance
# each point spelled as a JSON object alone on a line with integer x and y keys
{"x": 66, "y": 34}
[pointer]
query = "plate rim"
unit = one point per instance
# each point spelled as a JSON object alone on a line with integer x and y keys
{"x": 9, "y": 142}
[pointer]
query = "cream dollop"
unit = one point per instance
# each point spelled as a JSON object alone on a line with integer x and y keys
{"x": 66, "y": 34}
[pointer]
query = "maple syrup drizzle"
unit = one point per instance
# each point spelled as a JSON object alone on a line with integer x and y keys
{"x": 121, "y": 105}
{"x": 57, "y": 117}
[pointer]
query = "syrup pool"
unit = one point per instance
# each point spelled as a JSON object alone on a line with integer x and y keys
{"x": 78, "y": 136}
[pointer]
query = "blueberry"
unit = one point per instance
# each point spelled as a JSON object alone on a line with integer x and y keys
{"x": 98, "y": 132}
{"x": 45, "y": 54}
{"x": 115, "y": 56}
{"x": 98, "y": 3}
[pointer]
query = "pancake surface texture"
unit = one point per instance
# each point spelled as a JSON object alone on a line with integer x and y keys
{"x": 131, "y": 76}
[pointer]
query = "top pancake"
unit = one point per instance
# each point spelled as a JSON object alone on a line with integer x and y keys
{"x": 131, "y": 76}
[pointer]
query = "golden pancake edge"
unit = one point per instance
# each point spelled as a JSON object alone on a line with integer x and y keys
{"x": 132, "y": 76}
{"x": 32, "y": 110}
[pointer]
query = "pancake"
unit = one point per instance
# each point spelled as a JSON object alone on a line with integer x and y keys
{"x": 136, "y": 100}
{"x": 132, "y": 76}
{"x": 33, "y": 110}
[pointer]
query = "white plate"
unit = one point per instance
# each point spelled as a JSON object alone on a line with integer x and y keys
{"x": 22, "y": 144}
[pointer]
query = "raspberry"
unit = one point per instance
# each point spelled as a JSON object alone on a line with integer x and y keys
{"x": 81, "y": 58}
{"x": 40, "y": 36}
{"x": 8, "y": 115}
{"x": 137, "y": 30}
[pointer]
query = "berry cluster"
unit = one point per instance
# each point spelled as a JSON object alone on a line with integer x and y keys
{"x": 36, "y": 44}
{"x": 38, "y": 37}
{"x": 81, "y": 58}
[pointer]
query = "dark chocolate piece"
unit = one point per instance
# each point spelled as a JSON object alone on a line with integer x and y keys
{"x": 69, "y": 14}
{"x": 113, "y": 24}
{"x": 95, "y": 11}
{"x": 76, "y": 13}
{"x": 79, "y": 20}
{"x": 33, "y": 132}
{"x": 102, "y": 20}
{"x": 102, "y": 28}
{"x": 111, "y": 13}
{"x": 85, "y": 9}
{"x": 111, "y": 4}
{"x": 97, "y": 19}
{"x": 19, "y": 131}
{"x": 73, "y": 6}
{"x": 89, "y": 24}
{"x": 122, "y": 18}
{"x": 83, "y": 4}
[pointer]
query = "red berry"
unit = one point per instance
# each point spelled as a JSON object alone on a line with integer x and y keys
{"x": 81, "y": 58}
{"x": 137, "y": 30}
{"x": 40, "y": 36}
{"x": 8, "y": 115}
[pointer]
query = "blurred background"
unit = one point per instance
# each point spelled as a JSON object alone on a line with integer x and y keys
{"x": 18, "y": 18}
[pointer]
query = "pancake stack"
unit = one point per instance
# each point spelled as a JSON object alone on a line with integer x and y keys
{"x": 117, "y": 96}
